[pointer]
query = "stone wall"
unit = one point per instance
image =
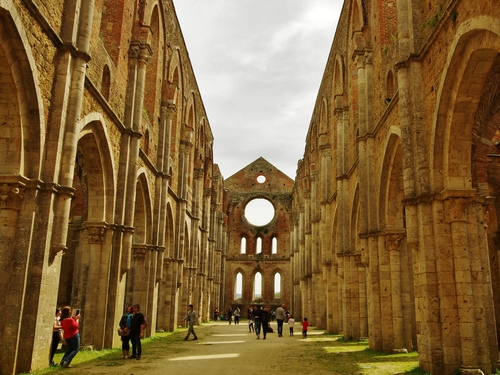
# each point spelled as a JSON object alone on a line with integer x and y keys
{"x": 409, "y": 256}
{"x": 258, "y": 180}
{"x": 109, "y": 192}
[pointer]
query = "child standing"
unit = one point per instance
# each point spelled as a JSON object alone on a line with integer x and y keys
{"x": 291, "y": 322}
{"x": 305, "y": 324}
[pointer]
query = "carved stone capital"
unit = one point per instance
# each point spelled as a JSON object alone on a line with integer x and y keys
{"x": 96, "y": 234}
{"x": 11, "y": 196}
{"x": 394, "y": 241}
{"x": 360, "y": 61}
{"x": 139, "y": 252}
{"x": 456, "y": 209}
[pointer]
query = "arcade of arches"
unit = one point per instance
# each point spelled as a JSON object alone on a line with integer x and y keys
{"x": 109, "y": 193}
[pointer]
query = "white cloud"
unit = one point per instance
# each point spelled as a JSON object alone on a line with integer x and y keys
{"x": 258, "y": 64}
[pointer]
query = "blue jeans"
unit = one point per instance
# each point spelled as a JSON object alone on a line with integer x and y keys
{"x": 257, "y": 327}
{"x": 73, "y": 348}
{"x": 136, "y": 344}
{"x": 280, "y": 326}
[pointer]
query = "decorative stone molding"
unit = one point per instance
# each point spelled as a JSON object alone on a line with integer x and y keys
{"x": 394, "y": 241}
{"x": 360, "y": 61}
{"x": 456, "y": 209}
{"x": 134, "y": 50}
{"x": 199, "y": 173}
{"x": 139, "y": 252}
{"x": 96, "y": 233}
{"x": 11, "y": 196}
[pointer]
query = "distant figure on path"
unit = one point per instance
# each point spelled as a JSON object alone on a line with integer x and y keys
{"x": 305, "y": 324}
{"x": 192, "y": 319}
{"x": 250, "y": 320}
{"x": 230, "y": 315}
{"x": 280, "y": 318}
{"x": 291, "y": 322}
{"x": 257, "y": 313}
{"x": 265, "y": 317}
{"x": 216, "y": 314}
{"x": 237, "y": 315}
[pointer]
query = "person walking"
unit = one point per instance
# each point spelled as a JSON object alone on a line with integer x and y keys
{"x": 291, "y": 323}
{"x": 264, "y": 319}
{"x": 230, "y": 315}
{"x": 305, "y": 325}
{"x": 216, "y": 314}
{"x": 192, "y": 319}
{"x": 56, "y": 336}
{"x": 257, "y": 313}
{"x": 125, "y": 323}
{"x": 70, "y": 326}
{"x": 237, "y": 315}
{"x": 137, "y": 325}
{"x": 280, "y": 318}
{"x": 250, "y": 320}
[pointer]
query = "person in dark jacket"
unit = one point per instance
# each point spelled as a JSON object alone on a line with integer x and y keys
{"x": 264, "y": 319}
{"x": 137, "y": 326}
{"x": 257, "y": 313}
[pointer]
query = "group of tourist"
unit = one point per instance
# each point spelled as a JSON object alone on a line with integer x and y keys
{"x": 66, "y": 327}
{"x": 66, "y": 324}
{"x": 133, "y": 323}
{"x": 259, "y": 321}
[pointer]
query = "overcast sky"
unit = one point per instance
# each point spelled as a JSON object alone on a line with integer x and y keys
{"x": 258, "y": 64}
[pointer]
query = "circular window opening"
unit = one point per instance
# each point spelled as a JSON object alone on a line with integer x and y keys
{"x": 259, "y": 211}
{"x": 261, "y": 179}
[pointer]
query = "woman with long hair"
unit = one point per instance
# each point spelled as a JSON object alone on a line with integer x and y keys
{"x": 70, "y": 326}
{"x": 56, "y": 335}
{"x": 125, "y": 323}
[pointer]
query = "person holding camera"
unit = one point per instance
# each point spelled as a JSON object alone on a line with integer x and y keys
{"x": 70, "y": 327}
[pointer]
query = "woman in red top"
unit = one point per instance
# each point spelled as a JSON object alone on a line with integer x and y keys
{"x": 71, "y": 335}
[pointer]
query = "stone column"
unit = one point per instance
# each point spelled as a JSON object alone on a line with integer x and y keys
{"x": 473, "y": 305}
{"x": 139, "y": 56}
{"x": 394, "y": 247}
{"x": 91, "y": 282}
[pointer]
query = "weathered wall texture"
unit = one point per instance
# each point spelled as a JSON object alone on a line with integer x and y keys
{"x": 258, "y": 180}
{"x": 109, "y": 194}
{"x": 396, "y": 197}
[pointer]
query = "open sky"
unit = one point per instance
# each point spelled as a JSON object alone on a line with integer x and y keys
{"x": 258, "y": 64}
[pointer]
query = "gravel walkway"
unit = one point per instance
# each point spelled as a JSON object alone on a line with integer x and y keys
{"x": 220, "y": 349}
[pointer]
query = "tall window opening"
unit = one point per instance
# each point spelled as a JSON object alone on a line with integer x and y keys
{"x": 257, "y": 287}
{"x": 239, "y": 286}
{"x": 243, "y": 249}
{"x": 274, "y": 246}
{"x": 277, "y": 285}
{"x": 258, "y": 249}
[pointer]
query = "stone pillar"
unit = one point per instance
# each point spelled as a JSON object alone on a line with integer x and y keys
{"x": 139, "y": 56}
{"x": 471, "y": 279}
{"x": 394, "y": 246}
{"x": 91, "y": 282}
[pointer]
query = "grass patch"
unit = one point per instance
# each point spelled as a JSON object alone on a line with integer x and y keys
{"x": 153, "y": 346}
{"x": 343, "y": 356}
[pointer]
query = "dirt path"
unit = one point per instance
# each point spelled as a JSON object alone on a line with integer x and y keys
{"x": 220, "y": 349}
